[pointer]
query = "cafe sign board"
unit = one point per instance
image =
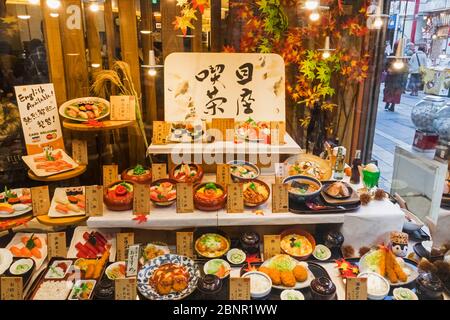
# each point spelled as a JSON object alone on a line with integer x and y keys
{"x": 224, "y": 85}
{"x": 39, "y": 116}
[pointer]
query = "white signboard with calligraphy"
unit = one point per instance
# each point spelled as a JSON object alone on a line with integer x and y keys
{"x": 224, "y": 85}
{"x": 39, "y": 115}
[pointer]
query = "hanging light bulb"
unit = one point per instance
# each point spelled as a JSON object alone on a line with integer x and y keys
{"x": 434, "y": 37}
{"x": 378, "y": 23}
{"x": 95, "y": 65}
{"x": 326, "y": 51}
{"x": 54, "y": 14}
{"x": 398, "y": 64}
{"x": 23, "y": 16}
{"x": 94, "y": 7}
{"x": 312, "y": 4}
{"x": 33, "y": 1}
{"x": 152, "y": 66}
{"x": 53, "y": 4}
{"x": 152, "y": 72}
{"x": 375, "y": 20}
{"x": 314, "y": 16}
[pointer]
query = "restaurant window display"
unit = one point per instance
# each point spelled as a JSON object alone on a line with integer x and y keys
{"x": 211, "y": 150}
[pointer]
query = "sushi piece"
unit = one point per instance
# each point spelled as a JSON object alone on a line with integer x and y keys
{"x": 62, "y": 208}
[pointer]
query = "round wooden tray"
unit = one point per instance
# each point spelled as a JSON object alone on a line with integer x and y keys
{"x": 107, "y": 125}
{"x": 60, "y": 222}
{"x": 60, "y": 176}
{"x": 6, "y": 224}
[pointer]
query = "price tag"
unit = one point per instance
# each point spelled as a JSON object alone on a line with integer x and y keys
{"x": 161, "y": 131}
{"x": 280, "y": 172}
{"x": 356, "y": 289}
{"x": 271, "y": 246}
{"x": 40, "y": 199}
{"x": 123, "y": 240}
{"x": 239, "y": 288}
{"x": 110, "y": 174}
{"x": 94, "y": 201}
{"x": 123, "y": 108}
{"x": 277, "y": 132}
{"x": 159, "y": 171}
{"x": 235, "y": 198}
{"x": 125, "y": 289}
{"x": 141, "y": 199}
{"x": 223, "y": 176}
{"x": 80, "y": 151}
{"x": 133, "y": 260}
{"x": 226, "y": 128}
{"x": 11, "y": 288}
{"x": 56, "y": 245}
{"x": 280, "y": 198}
{"x": 185, "y": 244}
{"x": 185, "y": 198}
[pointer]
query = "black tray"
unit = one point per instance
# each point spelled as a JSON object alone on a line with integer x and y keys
{"x": 411, "y": 285}
{"x": 301, "y": 208}
{"x": 421, "y": 252}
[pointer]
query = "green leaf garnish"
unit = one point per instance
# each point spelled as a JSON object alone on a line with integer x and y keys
{"x": 138, "y": 170}
{"x": 211, "y": 185}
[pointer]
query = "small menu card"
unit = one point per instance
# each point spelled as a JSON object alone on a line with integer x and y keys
{"x": 271, "y": 246}
{"x": 239, "y": 288}
{"x": 280, "y": 198}
{"x": 141, "y": 199}
{"x": 356, "y": 289}
{"x": 133, "y": 255}
{"x": 185, "y": 244}
{"x": 80, "y": 151}
{"x": 235, "y": 198}
{"x": 123, "y": 108}
{"x": 11, "y": 288}
{"x": 94, "y": 201}
{"x": 125, "y": 289}
{"x": 277, "y": 132}
{"x": 124, "y": 240}
{"x": 225, "y": 128}
{"x": 56, "y": 245}
{"x": 40, "y": 200}
{"x": 110, "y": 174}
{"x": 185, "y": 198}
{"x": 223, "y": 174}
{"x": 159, "y": 171}
{"x": 161, "y": 130}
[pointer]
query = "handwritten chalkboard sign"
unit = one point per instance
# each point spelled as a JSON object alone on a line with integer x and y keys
{"x": 39, "y": 116}
{"x": 224, "y": 85}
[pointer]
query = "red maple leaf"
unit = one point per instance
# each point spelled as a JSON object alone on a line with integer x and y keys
{"x": 140, "y": 218}
{"x": 94, "y": 123}
{"x": 200, "y": 4}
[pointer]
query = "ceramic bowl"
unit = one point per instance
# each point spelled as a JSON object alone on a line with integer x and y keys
{"x": 122, "y": 204}
{"x": 372, "y": 279}
{"x": 210, "y": 205}
{"x": 299, "y": 232}
{"x": 163, "y": 203}
{"x": 260, "y": 284}
{"x": 237, "y": 178}
{"x": 197, "y": 178}
{"x": 141, "y": 179}
{"x": 257, "y": 204}
{"x": 303, "y": 179}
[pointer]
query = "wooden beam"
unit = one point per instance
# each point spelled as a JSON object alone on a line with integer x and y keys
{"x": 197, "y": 45}
{"x": 93, "y": 40}
{"x": 170, "y": 41}
{"x": 149, "y": 98}
{"x": 55, "y": 58}
{"x": 216, "y": 25}
{"x": 128, "y": 40}
{"x": 110, "y": 33}
{"x": 71, "y": 26}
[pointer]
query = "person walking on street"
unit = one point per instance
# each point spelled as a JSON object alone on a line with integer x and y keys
{"x": 416, "y": 62}
{"x": 395, "y": 82}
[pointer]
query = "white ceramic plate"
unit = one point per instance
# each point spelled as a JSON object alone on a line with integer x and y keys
{"x": 109, "y": 234}
{"x": 66, "y": 104}
{"x": 111, "y": 267}
{"x": 29, "y": 161}
{"x": 16, "y": 213}
{"x": 6, "y": 258}
{"x": 17, "y": 242}
{"x": 298, "y": 285}
{"x": 61, "y": 194}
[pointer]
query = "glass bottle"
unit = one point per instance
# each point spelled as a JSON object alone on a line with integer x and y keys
{"x": 355, "y": 178}
{"x": 340, "y": 164}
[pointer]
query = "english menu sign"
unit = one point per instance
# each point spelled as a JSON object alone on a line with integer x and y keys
{"x": 39, "y": 116}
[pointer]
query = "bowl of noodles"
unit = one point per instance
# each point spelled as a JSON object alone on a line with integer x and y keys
{"x": 302, "y": 188}
{"x": 256, "y": 193}
{"x": 297, "y": 243}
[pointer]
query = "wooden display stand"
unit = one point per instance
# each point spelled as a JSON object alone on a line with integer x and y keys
{"x": 60, "y": 176}
{"x": 61, "y": 222}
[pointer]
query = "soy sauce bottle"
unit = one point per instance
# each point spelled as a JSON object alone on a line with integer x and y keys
{"x": 356, "y": 178}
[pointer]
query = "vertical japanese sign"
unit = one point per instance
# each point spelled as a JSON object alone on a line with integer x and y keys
{"x": 39, "y": 116}
{"x": 218, "y": 85}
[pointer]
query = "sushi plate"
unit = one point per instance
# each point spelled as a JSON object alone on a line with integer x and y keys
{"x": 32, "y": 163}
{"x": 86, "y": 100}
{"x": 60, "y": 200}
{"x": 16, "y": 241}
{"x": 19, "y": 209}
{"x": 109, "y": 234}
{"x": 6, "y": 258}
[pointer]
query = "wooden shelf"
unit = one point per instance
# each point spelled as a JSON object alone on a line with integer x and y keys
{"x": 60, "y": 176}
{"x": 61, "y": 222}
{"x": 226, "y": 147}
{"x": 107, "y": 125}
{"x": 6, "y": 224}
